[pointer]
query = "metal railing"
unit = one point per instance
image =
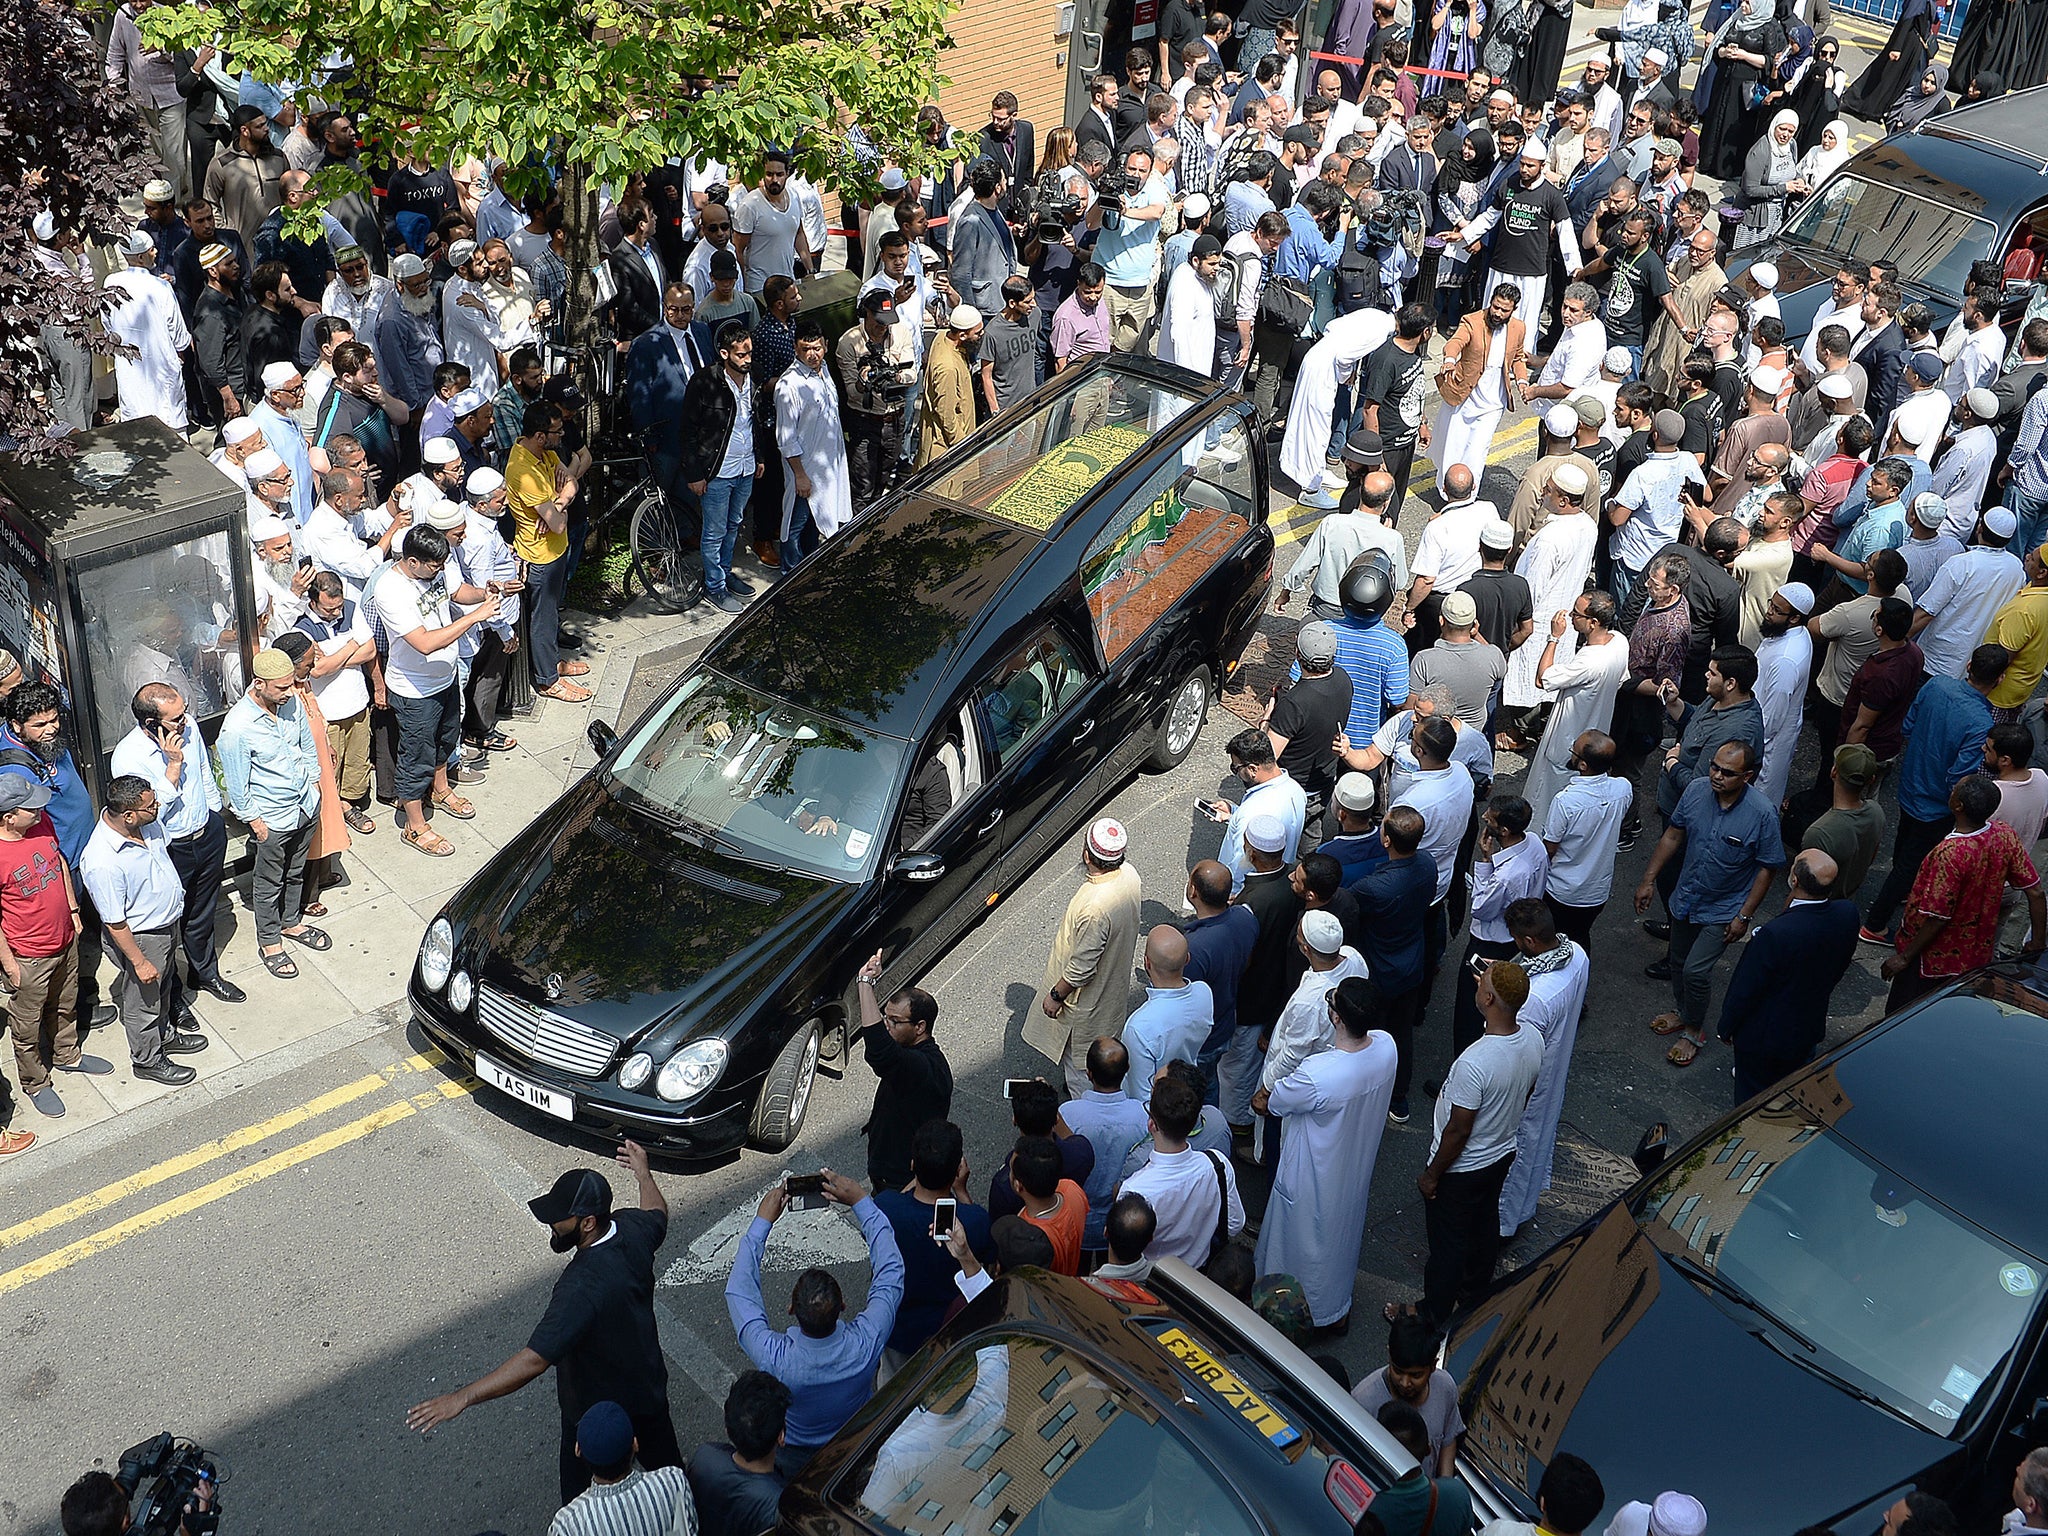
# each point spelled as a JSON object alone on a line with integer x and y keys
{"x": 1885, "y": 12}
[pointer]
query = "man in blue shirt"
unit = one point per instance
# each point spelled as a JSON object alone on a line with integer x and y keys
{"x": 1356, "y": 847}
{"x": 1726, "y": 833}
{"x": 1946, "y": 725}
{"x": 1174, "y": 1021}
{"x": 1128, "y": 249}
{"x": 826, "y": 1361}
{"x": 1394, "y": 901}
{"x": 1112, "y": 1122}
{"x": 272, "y": 772}
{"x": 32, "y": 743}
{"x": 938, "y": 1169}
{"x": 166, "y": 748}
{"x": 1220, "y": 937}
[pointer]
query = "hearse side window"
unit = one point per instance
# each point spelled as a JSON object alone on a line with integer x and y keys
{"x": 1180, "y": 524}
{"x": 1037, "y": 681}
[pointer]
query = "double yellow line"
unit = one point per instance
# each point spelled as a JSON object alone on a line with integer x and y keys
{"x": 1293, "y": 523}
{"x": 110, "y": 1195}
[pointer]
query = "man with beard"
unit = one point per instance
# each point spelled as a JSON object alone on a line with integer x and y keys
{"x": 947, "y": 407}
{"x": 217, "y": 334}
{"x": 719, "y": 464}
{"x": 509, "y": 292}
{"x": 441, "y": 477}
{"x": 475, "y": 435}
{"x": 468, "y": 322}
{"x": 244, "y": 180}
{"x": 310, "y": 262}
{"x": 1530, "y": 210}
{"x": 283, "y": 387}
{"x": 599, "y": 1330}
{"x": 358, "y": 406}
{"x": 406, "y": 341}
{"x": 1484, "y": 371}
{"x": 32, "y": 744}
{"x": 353, "y": 210}
{"x": 187, "y": 276}
{"x": 280, "y": 580}
{"x": 355, "y": 293}
{"x": 270, "y": 327}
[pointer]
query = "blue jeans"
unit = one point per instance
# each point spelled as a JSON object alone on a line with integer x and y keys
{"x": 1622, "y": 584}
{"x": 1340, "y": 422}
{"x": 2032, "y": 513}
{"x": 1635, "y": 361}
{"x": 801, "y": 539}
{"x": 725, "y": 513}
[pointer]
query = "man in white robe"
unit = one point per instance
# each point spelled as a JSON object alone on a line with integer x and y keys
{"x": 813, "y": 444}
{"x": 146, "y": 317}
{"x": 1465, "y": 431}
{"x": 1187, "y": 329}
{"x": 1784, "y": 658}
{"x": 1555, "y": 565}
{"x": 1585, "y": 686}
{"x": 469, "y": 325}
{"x": 1332, "y": 362}
{"x": 1559, "y": 971}
{"x": 1333, "y": 1110}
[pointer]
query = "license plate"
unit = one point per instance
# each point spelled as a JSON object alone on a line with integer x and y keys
{"x": 1238, "y": 1397}
{"x": 549, "y": 1101}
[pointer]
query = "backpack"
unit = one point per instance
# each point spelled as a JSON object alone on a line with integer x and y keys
{"x": 1230, "y": 280}
{"x": 1356, "y": 283}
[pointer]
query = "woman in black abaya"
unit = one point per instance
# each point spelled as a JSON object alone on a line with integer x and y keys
{"x": 1898, "y": 65}
{"x": 2007, "y": 37}
{"x": 1541, "y": 62}
{"x": 1745, "y": 56}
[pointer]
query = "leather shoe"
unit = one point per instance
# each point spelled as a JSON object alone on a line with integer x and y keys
{"x": 225, "y": 990}
{"x": 184, "y": 1043}
{"x": 766, "y": 552}
{"x": 104, "y": 1015}
{"x": 171, "y": 1074}
{"x": 1656, "y": 929}
{"x": 1658, "y": 970}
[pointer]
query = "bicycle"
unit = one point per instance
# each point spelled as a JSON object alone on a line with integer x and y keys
{"x": 663, "y": 538}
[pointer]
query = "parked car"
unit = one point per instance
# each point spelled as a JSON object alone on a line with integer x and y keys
{"x": 1829, "y": 1298}
{"x": 670, "y": 949}
{"x": 1961, "y": 188}
{"x": 1058, "y": 1405}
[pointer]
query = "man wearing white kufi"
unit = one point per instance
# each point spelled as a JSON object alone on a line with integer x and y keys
{"x": 1784, "y": 658}
{"x": 145, "y": 317}
{"x": 238, "y": 439}
{"x": 275, "y": 416}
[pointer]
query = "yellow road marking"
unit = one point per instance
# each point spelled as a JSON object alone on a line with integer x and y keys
{"x": 242, "y": 1178}
{"x": 248, "y": 1136}
{"x": 1293, "y": 522}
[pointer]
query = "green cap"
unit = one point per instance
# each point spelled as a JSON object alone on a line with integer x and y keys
{"x": 1855, "y": 764}
{"x": 1281, "y": 1301}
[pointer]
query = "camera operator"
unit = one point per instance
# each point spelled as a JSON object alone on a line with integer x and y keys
{"x": 97, "y": 1505}
{"x": 875, "y": 362}
{"x": 1063, "y": 224}
{"x": 918, "y": 302}
{"x": 1128, "y": 246}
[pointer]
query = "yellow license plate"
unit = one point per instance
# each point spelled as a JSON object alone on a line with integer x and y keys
{"x": 1240, "y": 1398}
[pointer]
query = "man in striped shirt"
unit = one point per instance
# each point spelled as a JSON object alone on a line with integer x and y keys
{"x": 623, "y": 1500}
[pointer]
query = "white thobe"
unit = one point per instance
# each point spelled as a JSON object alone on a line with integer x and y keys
{"x": 1575, "y": 361}
{"x": 333, "y": 544}
{"x": 471, "y": 335}
{"x": 807, "y": 424}
{"x": 1555, "y": 565}
{"x": 1464, "y": 432}
{"x": 1782, "y": 664}
{"x": 1333, "y": 1111}
{"x": 151, "y": 383}
{"x": 1555, "y": 999}
{"x": 1187, "y": 331}
{"x": 363, "y": 314}
{"x": 1585, "y": 687}
{"x": 1331, "y": 361}
{"x": 1303, "y": 1028}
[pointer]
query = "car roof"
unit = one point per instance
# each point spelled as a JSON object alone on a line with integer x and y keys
{"x": 1947, "y": 1095}
{"x": 1961, "y": 161}
{"x": 2011, "y": 122}
{"x": 868, "y": 631}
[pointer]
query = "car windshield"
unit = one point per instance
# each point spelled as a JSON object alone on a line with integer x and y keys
{"x": 1034, "y": 470}
{"x": 761, "y": 779}
{"x": 1865, "y": 221}
{"x": 1844, "y": 1264}
{"x": 1019, "y": 1437}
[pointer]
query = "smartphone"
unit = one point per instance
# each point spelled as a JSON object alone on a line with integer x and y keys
{"x": 1010, "y": 1085}
{"x": 806, "y": 1191}
{"x": 942, "y": 1219}
{"x": 304, "y": 561}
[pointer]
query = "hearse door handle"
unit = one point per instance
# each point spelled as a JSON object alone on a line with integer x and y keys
{"x": 1082, "y": 734}
{"x": 988, "y": 826}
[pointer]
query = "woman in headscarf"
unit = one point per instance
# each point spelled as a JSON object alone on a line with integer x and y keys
{"x": 1819, "y": 162}
{"x": 1745, "y": 55}
{"x": 2006, "y": 36}
{"x": 1769, "y": 176}
{"x": 1892, "y": 74}
{"x": 1816, "y": 92}
{"x": 1454, "y": 35}
{"x": 1540, "y": 63}
{"x": 1926, "y": 97}
{"x": 1461, "y": 186}
{"x": 1985, "y": 85}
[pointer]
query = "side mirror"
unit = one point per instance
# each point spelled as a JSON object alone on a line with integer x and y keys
{"x": 602, "y": 738}
{"x": 916, "y": 868}
{"x": 1652, "y": 1149}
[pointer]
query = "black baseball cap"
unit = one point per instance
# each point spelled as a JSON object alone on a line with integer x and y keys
{"x": 876, "y": 302}
{"x": 579, "y": 1192}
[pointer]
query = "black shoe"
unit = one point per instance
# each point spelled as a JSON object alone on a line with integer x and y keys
{"x": 184, "y": 1043}
{"x": 222, "y": 988}
{"x": 104, "y": 1015}
{"x": 1628, "y": 837}
{"x": 1397, "y": 1112}
{"x": 1657, "y": 930}
{"x": 170, "y": 1073}
{"x": 1658, "y": 970}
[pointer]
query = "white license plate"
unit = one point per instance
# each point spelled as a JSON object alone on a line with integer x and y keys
{"x": 548, "y": 1101}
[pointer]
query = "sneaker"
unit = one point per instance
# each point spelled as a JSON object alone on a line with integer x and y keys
{"x": 1431, "y": 1088}
{"x": 468, "y": 775}
{"x": 1628, "y": 837}
{"x": 91, "y": 1066}
{"x": 1320, "y": 501}
{"x": 1870, "y": 936}
{"x": 46, "y": 1102}
{"x": 725, "y": 602}
{"x": 735, "y": 582}
{"x": 1397, "y": 1112}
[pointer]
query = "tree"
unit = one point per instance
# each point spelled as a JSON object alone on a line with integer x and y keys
{"x": 70, "y": 145}
{"x": 595, "y": 86}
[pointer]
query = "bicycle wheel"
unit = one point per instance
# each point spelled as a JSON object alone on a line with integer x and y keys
{"x": 666, "y": 554}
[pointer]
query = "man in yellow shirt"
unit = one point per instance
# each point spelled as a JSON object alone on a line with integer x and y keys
{"x": 539, "y": 489}
{"x": 2022, "y": 628}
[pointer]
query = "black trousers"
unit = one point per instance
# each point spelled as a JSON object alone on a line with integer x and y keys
{"x": 1402, "y": 1012}
{"x": 92, "y": 943}
{"x": 1754, "y": 1073}
{"x": 1575, "y": 923}
{"x": 1463, "y": 1223}
{"x": 1909, "y": 986}
{"x": 1436, "y": 938}
{"x": 873, "y": 446}
{"x": 1401, "y": 464}
{"x": 1914, "y": 840}
{"x": 199, "y": 861}
{"x": 485, "y": 688}
{"x": 656, "y": 1433}
{"x": 1467, "y": 1022}
{"x": 384, "y": 752}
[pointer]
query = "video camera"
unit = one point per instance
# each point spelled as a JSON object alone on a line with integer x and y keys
{"x": 1112, "y": 188}
{"x": 180, "y": 1470}
{"x": 882, "y": 379}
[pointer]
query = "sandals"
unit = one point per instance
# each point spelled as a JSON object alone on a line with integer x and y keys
{"x": 564, "y": 690}
{"x": 313, "y": 909}
{"x": 428, "y": 841}
{"x": 456, "y": 805}
{"x": 1666, "y": 1024}
{"x": 498, "y": 741}
{"x": 572, "y": 669}
{"x": 1684, "y": 1051}
{"x": 313, "y": 938}
{"x": 280, "y": 965}
{"x": 357, "y": 822}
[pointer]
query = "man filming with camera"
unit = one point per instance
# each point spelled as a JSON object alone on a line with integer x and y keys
{"x": 877, "y": 363}
{"x": 181, "y": 1498}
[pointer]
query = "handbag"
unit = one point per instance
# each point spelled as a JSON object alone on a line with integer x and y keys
{"x": 1285, "y": 305}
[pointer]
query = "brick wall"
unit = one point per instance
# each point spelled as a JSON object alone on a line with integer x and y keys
{"x": 1005, "y": 45}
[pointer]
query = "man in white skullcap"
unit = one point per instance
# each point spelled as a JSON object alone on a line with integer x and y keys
{"x": 1760, "y": 283}
{"x": 1954, "y": 611}
{"x": 1929, "y": 546}
{"x": 1557, "y": 446}
{"x": 441, "y": 477}
{"x": 270, "y": 488}
{"x": 1304, "y": 1026}
{"x": 284, "y": 387}
{"x": 1837, "y": 394}
{"x": 150, "y": 379}
{"x": 484, "y": 557}
{"x": 1530, "y": 211}
{"x": 946, "y": 407}
{"x": 1673, "y": 1514}
{"x": 69, "y": 387}
{"x": 1784, "y": 660}
{"x": 1963, "y": 470}
{"x": 280, "y": 580}
{"x": 469, "y": 326}
{"x": 238, "y": 439}
{"x": 1087, "y": 989}
{"x": 1555, "y": 563}
{"x": 407, "y": 337}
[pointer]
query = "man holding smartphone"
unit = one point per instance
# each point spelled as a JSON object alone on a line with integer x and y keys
{"x": 921, "y": 1216}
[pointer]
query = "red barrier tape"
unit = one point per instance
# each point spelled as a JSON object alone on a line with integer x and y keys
{"x": 1406, "y": 69}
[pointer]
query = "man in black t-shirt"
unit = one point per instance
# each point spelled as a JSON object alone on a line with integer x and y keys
{"x": 1390, "y": 385}
{"x": 1637, "y": 285}
{"x": 736, "y": 1486}
{"x": 916, "y": 1082}
{"x": 1528, "y": 213}
{"x": 1307, "y": 714}
{"x": 598, "y": 1331}
{"x": 1507, "y": 609}
{"x": 355, "y": 407}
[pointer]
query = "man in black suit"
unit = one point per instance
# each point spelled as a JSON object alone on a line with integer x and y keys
{"x": 1883, "y": 354}
{"x": 1008, "y": 140}
{"x": 658, "y": 368}
{"x": 1589, "y": 184}
{"x": 637, "y": 270}
{"x": 1776, "y": 1012}
{"x": 1098, "y": 123}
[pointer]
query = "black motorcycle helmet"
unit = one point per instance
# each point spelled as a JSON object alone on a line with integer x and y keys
{"x": 1368, "y": 587}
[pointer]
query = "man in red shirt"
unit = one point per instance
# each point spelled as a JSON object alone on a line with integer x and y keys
{"x": 1885, "y": 685}
{"x": 1057, "y": 1207}
{"x": 1951, "y": 921}
{"x": 38, "y": 951}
